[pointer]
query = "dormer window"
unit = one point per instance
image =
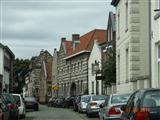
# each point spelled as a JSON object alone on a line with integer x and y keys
{"x": 159, "y": 53}
{"x": 126, "y": 5}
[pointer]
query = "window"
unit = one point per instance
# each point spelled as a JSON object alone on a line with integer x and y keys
{"x": 109, "y": 34}
{"x": 126, "y": 5}
{"x": 92, "y": 87}
{"x": 159, "y": 53}
{"x": 118, "y": 25}
{"x": 133, "y": 102}
{"x": 118, "y": 69}
{"x": 126, "y": 65}
{"x": 93, "y": 72}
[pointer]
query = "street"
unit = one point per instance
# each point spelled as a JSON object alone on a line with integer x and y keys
{"x": 50, "y": 113}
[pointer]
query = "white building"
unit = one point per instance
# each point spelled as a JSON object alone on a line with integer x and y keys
{"x": 132, "y": 44}
{"x": 155, "y": 58}
{"x": 6, "y": 69}
{"x": 95, "y": 56}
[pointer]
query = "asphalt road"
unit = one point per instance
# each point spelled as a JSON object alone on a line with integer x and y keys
{"x": 49, "y": 113}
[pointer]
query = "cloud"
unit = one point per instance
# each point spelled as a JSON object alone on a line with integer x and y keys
{"x": 27, "y": 25}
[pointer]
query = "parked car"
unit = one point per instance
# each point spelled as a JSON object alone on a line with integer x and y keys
{"x": 21, "y": 105}
{"x": 69, "y": 101}
{"x": 111, "y": 109}
{"x": 60, "y": 102}
{"x": 143, "y": 105}
{"x": 31, "y": 103}
{"x": 76, "y": 102}
{"x": 83, "y": 103}
{"x": 4, "y": 111}
{"x": 11, "y": 103}
{"x": 51, "y": 101}
{"x": 93, "y": 105}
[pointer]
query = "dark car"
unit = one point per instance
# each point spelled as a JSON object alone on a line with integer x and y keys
{"x": 143, "y": 105}
{"x": 31, "y": 103}
{"x": 4, "y": 111}
{"x": 60, "y": 102}
{"x": 76, "y": 102}
{"x": 51, "y": 101}
{"x": 11, "y": 104}
{"x": 69, "y": 101}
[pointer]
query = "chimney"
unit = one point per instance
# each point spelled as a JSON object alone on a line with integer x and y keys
{"x": 42, "y": 51}
{"x": 63, "y": 39}
{"x": 75, "y": 40}
{"x": 55, "y": 49}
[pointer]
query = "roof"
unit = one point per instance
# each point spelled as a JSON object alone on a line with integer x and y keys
{"x": 68, "y": 45}
{"x": 112, "y": 17}
{"x": 8, "y": 50}
{"x": 115, "y": 2}
{"x": 87, "y": 41}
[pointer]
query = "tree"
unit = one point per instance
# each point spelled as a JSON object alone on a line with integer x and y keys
{"x": 20, "y": 68}
{"x": 109, "y": 67}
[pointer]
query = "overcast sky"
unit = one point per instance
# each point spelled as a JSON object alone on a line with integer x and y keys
{"x": 27, "y": 26}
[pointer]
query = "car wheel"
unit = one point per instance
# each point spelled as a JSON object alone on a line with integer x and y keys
{"x": 88, "y": 115}
{"x": 36, "y": 109}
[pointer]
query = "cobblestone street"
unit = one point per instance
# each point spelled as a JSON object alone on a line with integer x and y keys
{"x": 50, "y": 113}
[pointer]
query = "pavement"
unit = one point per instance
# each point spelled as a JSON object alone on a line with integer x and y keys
{"x": 50, "y": 113}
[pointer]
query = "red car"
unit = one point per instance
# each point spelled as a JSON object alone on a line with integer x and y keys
{"x": 143, "y": 105}
{"x": 4, "y": 111}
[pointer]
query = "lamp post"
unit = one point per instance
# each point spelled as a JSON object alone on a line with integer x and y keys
{"x": 96, "y": 70}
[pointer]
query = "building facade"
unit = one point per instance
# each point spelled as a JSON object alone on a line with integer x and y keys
{"x": 72, "y": 69}
{"x": 155, "y": 42}
{"x": 132, "y": 44}
{"x": 6, "y": 69}
{"x": 94, "y": 85}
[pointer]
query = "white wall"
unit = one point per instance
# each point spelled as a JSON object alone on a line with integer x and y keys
{"x": 136, "y": 40}
{"x": 1, "y": 61}
{"x": 95, "y": 55}
{"x": 155, "y": 43}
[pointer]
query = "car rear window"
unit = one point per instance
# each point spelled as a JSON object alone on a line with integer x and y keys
{"x": 151, "y": 99}
{"x": 85, "y": 99}
{"x": 98, "y": 98}
{"x": 9, "y": 98}
{"x": 123, "y": 98}
{"x": 17, "y": 98}
{"x": 30, "y": 99}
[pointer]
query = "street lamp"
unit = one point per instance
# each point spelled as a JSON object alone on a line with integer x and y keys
{"x": 96, "y": 69}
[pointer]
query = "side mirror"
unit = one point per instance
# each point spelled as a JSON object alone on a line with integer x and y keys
{"x": 123, "y": 107}
{"x": 101, "y": 105}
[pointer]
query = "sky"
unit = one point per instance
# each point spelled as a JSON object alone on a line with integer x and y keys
{"x": 28, "y": 26}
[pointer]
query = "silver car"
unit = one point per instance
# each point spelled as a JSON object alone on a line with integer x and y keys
{"x": 93, "y": 104}
{"x": 83, "y": 103}
{"x": 111, "y": 109}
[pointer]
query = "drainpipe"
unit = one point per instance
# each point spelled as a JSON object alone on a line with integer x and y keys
{"x": 150, "y": 43}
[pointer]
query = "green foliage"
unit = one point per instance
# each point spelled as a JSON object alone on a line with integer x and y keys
{"x": 109, "y": 67}
{"x": 20, "y": 68}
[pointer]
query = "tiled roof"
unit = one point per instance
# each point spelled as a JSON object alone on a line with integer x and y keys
{"x": 87, "y": 41}
{"x": 68, "y": 45}
{"x": 115, "y": 2}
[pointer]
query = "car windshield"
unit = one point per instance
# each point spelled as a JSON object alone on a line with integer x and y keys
{"x": 98, "y": 97}
{"x": 9, "y": 98}
{"x": 151, "y": 99}
{"x": 120, "y": 98}
{"x": 85, "y": 99}
{"x": 17, "y": 98}
{"x": 30, "y": 99}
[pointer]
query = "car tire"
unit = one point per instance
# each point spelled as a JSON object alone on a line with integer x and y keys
{"x": 36, "y": 109}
